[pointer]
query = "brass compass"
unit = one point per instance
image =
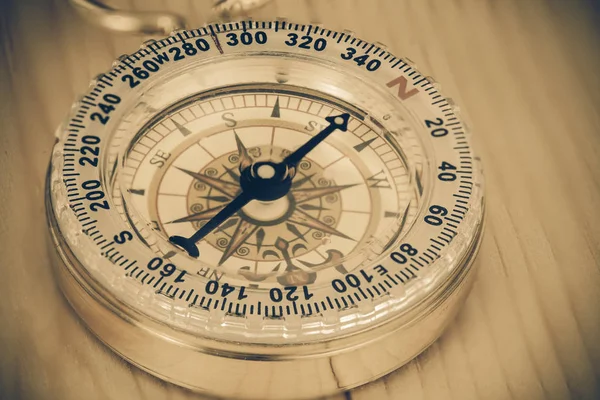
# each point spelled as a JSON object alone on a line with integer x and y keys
{"x": 264, "y": 209}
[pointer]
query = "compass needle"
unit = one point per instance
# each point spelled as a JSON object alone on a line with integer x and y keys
{"x": 265, "y": 181}
{"x": 335, "y": 122}
{"x": 253, "y": 192}
{"x": 189, "y": 244}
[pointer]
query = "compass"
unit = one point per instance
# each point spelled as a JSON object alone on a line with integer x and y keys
{"x": 264, "y": 209}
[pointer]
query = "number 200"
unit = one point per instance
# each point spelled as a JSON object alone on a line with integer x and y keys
{"x": 94, "y": 195}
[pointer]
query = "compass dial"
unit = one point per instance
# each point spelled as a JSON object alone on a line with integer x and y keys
{"x": 265, "y": 209}
{"x": 184, "y": 167}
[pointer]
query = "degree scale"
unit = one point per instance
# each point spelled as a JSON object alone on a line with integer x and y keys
{"x": 265, "y": 209}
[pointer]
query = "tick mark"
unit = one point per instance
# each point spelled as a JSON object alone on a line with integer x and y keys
{"x": 361, "y": 146}
{"x": 169, "y": 255}
{"x": 140, "y": 192}
{"x": 184, "y": 131}
{"x": 276, "y": 112}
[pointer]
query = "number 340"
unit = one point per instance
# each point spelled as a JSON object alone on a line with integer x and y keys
{"x": 370, "y": 65}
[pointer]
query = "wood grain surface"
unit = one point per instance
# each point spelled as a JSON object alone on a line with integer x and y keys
{"x": 527, "y": 76}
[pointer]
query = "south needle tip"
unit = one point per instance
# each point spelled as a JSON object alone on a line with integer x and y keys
{"x": 185, "y": 244}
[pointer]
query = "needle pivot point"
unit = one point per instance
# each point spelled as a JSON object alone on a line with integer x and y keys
{"x": 265, "y": 171}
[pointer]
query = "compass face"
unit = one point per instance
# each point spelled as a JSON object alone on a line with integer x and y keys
{"x": 263, "y": 199}
{"x": 184, "y": 168}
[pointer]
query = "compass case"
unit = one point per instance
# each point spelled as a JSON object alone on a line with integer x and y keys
{"x": 233, "y": 371}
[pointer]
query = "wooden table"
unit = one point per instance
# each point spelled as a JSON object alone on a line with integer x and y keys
{"x": 526, "y": 73}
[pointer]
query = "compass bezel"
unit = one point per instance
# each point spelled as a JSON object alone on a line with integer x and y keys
{"x": 422, "y": 293}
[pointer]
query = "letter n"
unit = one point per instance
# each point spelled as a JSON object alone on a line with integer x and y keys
{"x": 402, "y": 84}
